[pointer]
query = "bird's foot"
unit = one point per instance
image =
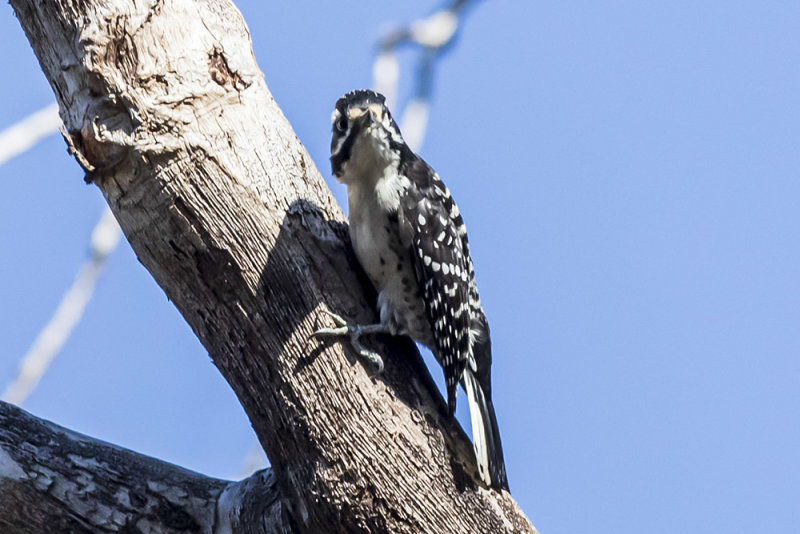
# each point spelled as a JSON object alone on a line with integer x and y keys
{"x": 354, "y": 331}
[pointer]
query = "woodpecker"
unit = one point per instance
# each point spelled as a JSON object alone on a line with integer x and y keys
{"x": 410, "y": 238}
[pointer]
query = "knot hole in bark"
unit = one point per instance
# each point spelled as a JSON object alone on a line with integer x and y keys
{"x": 221, "y": 72}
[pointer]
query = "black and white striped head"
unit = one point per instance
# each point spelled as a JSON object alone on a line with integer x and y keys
{"x": 363, "y": 130}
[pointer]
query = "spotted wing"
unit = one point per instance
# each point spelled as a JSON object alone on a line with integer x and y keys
{"x": 442, "y": 267}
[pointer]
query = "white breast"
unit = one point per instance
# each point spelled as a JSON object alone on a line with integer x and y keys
{"x": 374, "y": 188}
{"x": 370, "y": 239}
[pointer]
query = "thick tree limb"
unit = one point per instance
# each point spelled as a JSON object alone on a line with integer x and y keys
{"x": 166, "y": 109}
{"x": 56, "y": 480}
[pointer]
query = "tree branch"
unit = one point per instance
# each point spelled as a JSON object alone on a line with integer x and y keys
{"x": 56, "y": 480}
{"x": 166, "y": 109}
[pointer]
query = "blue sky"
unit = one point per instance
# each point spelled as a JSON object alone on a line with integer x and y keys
{"x": 629, "y": 173}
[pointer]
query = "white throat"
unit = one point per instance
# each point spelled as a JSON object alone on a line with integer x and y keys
{"x": 373, "y": 172}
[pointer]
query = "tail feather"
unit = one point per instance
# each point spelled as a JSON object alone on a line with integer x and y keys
{"x": 485, "y": 433}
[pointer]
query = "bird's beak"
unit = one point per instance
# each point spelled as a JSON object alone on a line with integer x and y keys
{"x": 357, "y": 114}
{"x": 372, "y": 113}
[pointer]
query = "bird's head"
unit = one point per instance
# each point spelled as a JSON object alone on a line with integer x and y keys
{"x": 364, "y": 133}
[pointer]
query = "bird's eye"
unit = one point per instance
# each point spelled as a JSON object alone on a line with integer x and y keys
{"x": 341, "y": 125}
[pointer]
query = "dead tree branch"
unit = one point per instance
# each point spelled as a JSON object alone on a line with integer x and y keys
{"x": 56, "y": 480}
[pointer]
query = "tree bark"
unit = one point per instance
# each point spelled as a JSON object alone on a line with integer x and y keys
{"x": 168, "y": 113}
{"x": 56, "y": 480}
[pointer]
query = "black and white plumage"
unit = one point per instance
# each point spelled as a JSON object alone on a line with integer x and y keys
{"x": 411, "y": 241}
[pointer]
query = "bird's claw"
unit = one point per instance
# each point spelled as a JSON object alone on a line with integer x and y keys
{"x": 354, "y": 331}
{"x": 342, "y": 327}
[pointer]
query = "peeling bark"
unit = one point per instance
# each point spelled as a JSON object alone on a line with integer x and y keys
{"x": 168, "y": 113}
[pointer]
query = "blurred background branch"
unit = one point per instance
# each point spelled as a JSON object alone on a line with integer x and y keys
{"x": 23, "y": 135}
{"x": 15, "y": 140}
{"x": 68, "y": 314}
{"x": 431, "y": 36}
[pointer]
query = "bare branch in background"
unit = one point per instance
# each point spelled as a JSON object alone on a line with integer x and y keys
{"x": 52, "y": 337}
{"x": 23, "y": 135}
{"x": 15, "y": 140}
{"x": 254, "y": 460}
{"x": 432, "y": 35}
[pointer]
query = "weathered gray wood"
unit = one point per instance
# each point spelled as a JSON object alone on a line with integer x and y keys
{"x": 166, "y": 109}
{"x": 53, "y": 480}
